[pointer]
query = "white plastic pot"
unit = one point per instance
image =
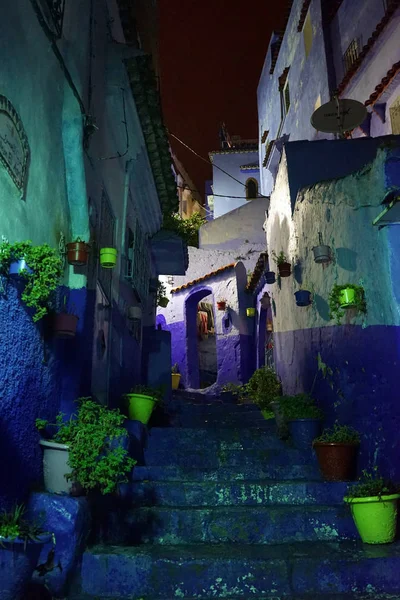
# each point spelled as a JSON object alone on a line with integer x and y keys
{"x": 55, "y": 467}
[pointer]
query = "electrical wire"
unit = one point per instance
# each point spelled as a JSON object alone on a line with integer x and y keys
{"x": 208, "y": 161}
{"x": 184, "y": 187}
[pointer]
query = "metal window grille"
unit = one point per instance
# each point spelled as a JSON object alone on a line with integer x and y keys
{"x": 351, "y": 54}
{"x": 138, "y": 261}
{"x": 106, "y": 240}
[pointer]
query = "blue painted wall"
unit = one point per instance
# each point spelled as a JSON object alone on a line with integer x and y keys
{"x": 40, "y": 375}
{"x": 223, "y": 185}
{"x": 364, "y": 351}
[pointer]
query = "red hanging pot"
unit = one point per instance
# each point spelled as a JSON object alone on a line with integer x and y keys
{"x": 285, "y": 269}
{"x": 64, "y": 325}
{"x": 221, "y": 305}
{"x": 77, "y": 253}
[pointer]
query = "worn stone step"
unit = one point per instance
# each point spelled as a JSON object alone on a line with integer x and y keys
{"x": 214, "y": 407}
{"x": 171, "y": 472}
{"x": 225, "y": 524}
{"x": 240, "y": 423}
{"x": 211, "y": 457}
{"x": 238, "y": 493}
{"x": 240, "y": 571}
{"x": 165, "y": 439}
{"x": 351, "y": 596}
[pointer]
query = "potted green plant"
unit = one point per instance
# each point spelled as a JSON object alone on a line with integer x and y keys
{"x": 21, "y": 542}
{"x": 343, "y": 297}
{"x": 303, "y": 418}
{"x": 283, "y": 264}
{"x": 263, "y": 388}
{"x": 77, "y": 252}
{"x": 38, "y": 266}
{"x": 108, "y": 257}
{"x": 233, "y": 391}
{"x": 373, "y": 503}
{"x": 140, "y": 402}
{"x": 176, "y": 376}
{"x": 251, "y": 312}
{"x": 89, "y": 450}
{"x": 336, "y": 451}
{"x": 161, "y": 297}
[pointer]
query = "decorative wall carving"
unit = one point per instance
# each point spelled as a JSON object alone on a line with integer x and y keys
{"x": 14, "y": 147}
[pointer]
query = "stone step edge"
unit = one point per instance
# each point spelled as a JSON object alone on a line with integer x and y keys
{"x": 345, "y": 596}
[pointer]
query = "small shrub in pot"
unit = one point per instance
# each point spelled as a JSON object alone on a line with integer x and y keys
{"x": 336, "y": 451}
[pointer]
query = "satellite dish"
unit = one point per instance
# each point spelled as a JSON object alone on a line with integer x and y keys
{"x": 338, "y": 116}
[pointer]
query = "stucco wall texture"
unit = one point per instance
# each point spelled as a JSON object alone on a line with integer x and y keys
{"x": 364, "y": 352}
{"x": 40, "y": 375}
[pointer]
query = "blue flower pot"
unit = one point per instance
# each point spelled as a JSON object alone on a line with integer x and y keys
{"x": 270, "y": 277}
{"x": 303, "y": 298}
{"x": 17, "y": 266}
{"x": 17, "y": 565}
{"x": 304, "y": 431}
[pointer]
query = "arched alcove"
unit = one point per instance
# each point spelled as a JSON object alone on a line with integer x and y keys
{"x": 201, "y": 352}
{"x": 251, "y": 188}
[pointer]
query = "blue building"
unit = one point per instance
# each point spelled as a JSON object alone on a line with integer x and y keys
{"x": 235, "y": 173}
{"x": 348, "y": 48}
{"x": 84, "y": 155}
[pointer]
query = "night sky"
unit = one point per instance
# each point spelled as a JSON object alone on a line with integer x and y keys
{"x": 211, "y": 56}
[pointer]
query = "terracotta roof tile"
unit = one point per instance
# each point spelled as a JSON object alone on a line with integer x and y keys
{"x": 392, "y": 6}
{"x": 303, "y": 14}
{"x": 385, "y": 82}
{"x": 258, "y": 272}
{"x": 203, "y": 278}
{"x": 264, "y": 136}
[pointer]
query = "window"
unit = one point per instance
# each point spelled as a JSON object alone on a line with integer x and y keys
{"x": 395, "y": 116}
{"x": 307, "y": 34}
{"x": 286, "y": 97}
{"x": 351, "y": 54}
{"x": 251, "y": 189}
{"x": 285, "y": 93}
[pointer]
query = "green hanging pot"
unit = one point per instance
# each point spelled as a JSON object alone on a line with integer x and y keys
{"x": 139, "y": 407}
{"x": 375, "y": 517}
{"x": 251, "y": 312}
{"x": 108, "y": 257}
{"x": 347, "y": 298}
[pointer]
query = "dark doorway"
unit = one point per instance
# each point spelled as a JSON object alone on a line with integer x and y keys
{"x": 201, "y": 339}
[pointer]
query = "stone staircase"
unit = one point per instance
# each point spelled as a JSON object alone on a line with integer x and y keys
{"x": 224, "y": 509}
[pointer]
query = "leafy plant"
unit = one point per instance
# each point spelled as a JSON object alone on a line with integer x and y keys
{"x": 96, "y": 461}
{"x": 46, "y": 272}
{"x": 300, "y": 406}
{"x": 263, "y": 387}
{"x": 175, "y": 368}
{"x": 280, "y": 258}
{"x": 371, "y": 484}
{"x": 187, "y": 229}
{"x": 14, "y": 525}
{"x": 155, "y": 393}
{"x": 161, "y": 292}
{"x": 339, "y": 434}
{"x": 336, "y": 310}
{"x": 236, "y": 389}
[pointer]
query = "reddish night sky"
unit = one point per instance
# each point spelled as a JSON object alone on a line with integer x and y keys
{"x": 211, "y": 56}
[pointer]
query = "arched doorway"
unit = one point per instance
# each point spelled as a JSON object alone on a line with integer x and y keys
{"x": 201, "y": 339}
{"x": 265, "y": 356}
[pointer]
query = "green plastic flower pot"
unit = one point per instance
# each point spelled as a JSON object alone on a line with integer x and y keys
{"x": 108, "y": 257}
{"x": 375, "y": 518}
{"x": 140, "y": 407}
{"x": 347, "y": 298}
{"x": 251, "y": 312}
